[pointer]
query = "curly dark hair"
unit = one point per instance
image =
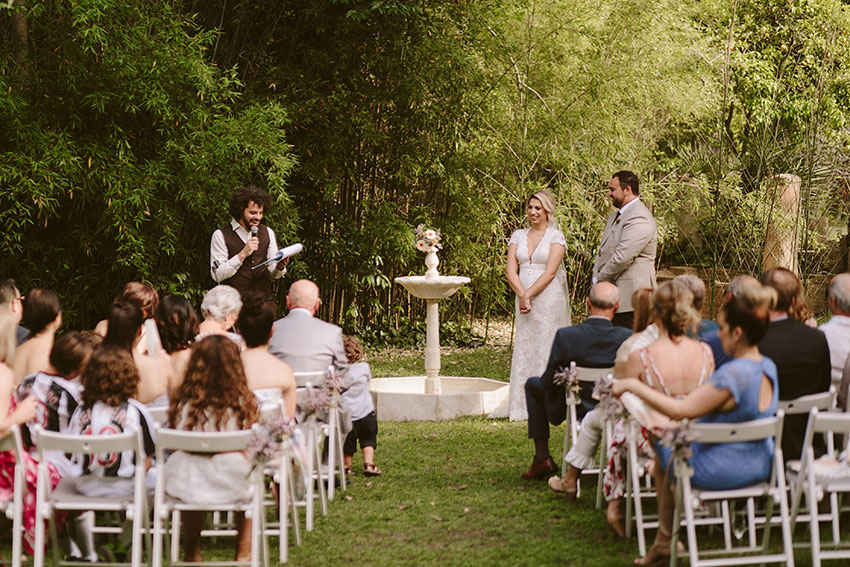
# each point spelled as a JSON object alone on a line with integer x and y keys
{"x": 353, "y": 349}
{"x": 215, "y": 388}
{"x": 241, "y": 197}
{"x": 177, "y": 323}
{"x": 110, "y": 376}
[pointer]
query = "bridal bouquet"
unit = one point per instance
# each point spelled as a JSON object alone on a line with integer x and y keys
{"x": 427, "y": 239}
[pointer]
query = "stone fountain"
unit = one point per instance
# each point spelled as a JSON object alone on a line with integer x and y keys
{"x": 432, "y": 397}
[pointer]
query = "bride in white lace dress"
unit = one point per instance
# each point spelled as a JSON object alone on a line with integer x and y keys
{"x": 542, "y": 302}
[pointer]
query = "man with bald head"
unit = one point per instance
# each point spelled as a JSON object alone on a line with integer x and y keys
{"x": 592, "y": 344}
{"x": 305, "y": 343}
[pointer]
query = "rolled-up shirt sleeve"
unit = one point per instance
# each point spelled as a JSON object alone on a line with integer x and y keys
{"x": 222, "y": 267}
{"x": 273, "y": 249}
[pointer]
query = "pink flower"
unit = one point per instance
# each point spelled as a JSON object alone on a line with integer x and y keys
{"x": 421, "y": 245}
{"x": 430, "y": 234}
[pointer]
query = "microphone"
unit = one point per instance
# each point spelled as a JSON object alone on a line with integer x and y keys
{"x": 254, "y": 230}
{"x": 282, "y": 253}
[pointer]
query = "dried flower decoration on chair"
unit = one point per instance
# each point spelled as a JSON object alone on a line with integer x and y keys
{"x": 609, "y": 404}
{"x": 427, "y": 239}
{"x": 270, "y": 440}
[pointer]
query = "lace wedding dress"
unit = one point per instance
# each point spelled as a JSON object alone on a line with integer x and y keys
{"x": 550, "y": 310}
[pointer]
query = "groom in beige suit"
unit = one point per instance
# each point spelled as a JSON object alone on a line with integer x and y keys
{"x": 626, "y": 256}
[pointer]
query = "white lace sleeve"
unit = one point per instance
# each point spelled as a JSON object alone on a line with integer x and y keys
{"x": 514, "y": 237}
{"x": 558, "y": 238}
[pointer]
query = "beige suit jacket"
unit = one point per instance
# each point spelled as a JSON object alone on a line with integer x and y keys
{"x": 308, "y": 344}
{"x": 626, "y": 256}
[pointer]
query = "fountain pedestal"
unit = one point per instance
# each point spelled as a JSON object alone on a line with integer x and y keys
{"x": 431, "y": 397}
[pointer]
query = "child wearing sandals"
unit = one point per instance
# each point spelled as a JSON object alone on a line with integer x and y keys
{"x": 359, "y": 400}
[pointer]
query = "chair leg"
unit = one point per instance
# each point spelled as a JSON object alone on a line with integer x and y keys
{"x": 40, "y": 509}
{"x": 343, "y": 481}
{"x": 292, "y": 505}
{"x": 814, "y": 528}
{"x": 331, "y": 441}
{"x": 18, "y": 516}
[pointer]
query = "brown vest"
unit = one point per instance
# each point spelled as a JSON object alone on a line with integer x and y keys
{"x": 245, "y": 279}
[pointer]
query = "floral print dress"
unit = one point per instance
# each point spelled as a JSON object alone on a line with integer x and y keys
{"x": 7, "y": 487}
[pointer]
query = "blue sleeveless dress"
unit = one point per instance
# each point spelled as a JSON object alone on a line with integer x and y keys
{"x": 734, "y": 465}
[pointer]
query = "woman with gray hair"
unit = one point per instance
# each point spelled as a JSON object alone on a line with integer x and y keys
{"x": 220, "y": 310}
{"x": 536, "y": 274}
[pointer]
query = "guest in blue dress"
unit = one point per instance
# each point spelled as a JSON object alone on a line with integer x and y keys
{"x": 742, "y": 390}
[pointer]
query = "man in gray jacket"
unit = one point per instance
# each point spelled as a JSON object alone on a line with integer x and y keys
{"x": 626, "y": 256}
{"x": 305, "y": 343}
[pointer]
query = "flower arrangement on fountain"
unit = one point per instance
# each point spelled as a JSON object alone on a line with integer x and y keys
{"x": 427, "y": 239}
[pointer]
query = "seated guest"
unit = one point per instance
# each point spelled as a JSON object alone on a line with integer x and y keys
{"x": 697, "y": 287}
{"x": 220, "y": 311}
{"x": 592, "y": 344}
{"x": 124, "y": 332}
{"x": 801, "y": 355}
{"x": 214, "y": 396}
{"x": 43, "y": 317}
{"x": 711, "y": 338}
{"x": 110, "y": 381}
{"x": 59, "y": 391}
{"x": 614, "y": 478}
{"x": 837, "y": 329}
{"x": 644, "y": 331}
{"x": 11, "y": 303}
{"x": 177, "y": 324}
{"x": 742, "y": 390}
{"x": 12, "y": 413}
{"x": 301, "y": 340}
{"x": 269, "y": 378}
{"x": 143, "y": 296}
{"x": 359, "y": 401}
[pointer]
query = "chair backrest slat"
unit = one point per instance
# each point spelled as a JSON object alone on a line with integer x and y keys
{"x": 317, "y": 378}
{"x": 586, "y": 374}
{"x": 836, "y": 422}
{"x": 735, "y": 432}
{"x": 804, "y": 404}
{"x": 202, "y": 441}
{"x": 88, "y": 444}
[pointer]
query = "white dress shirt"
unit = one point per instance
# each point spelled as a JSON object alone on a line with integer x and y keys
{"x": 223, "y": 268}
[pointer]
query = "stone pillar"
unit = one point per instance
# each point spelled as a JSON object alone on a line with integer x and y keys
{"x": 432, "y": 347}
{"x": 780, "y": 245}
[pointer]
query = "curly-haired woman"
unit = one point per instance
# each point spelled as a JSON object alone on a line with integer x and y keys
{"x": 213, "y": 396}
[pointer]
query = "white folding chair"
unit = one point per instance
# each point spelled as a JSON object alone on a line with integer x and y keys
{"x": 774, "y": 490}
{"x": 14, "y": 508}
{"x": 640, "y": 487}
{"x": 281, "y": 474}
{"x": 573, "y": 427}
{"x": 314, "y": 378}
{"x": 333, "y": 432}
{"x": 816, "y": 484}
{"x": 314, "y": 435}
{"x": 165, "y": 506}
{"x": 823, "y": 401}
{"x": 66, "y": 498}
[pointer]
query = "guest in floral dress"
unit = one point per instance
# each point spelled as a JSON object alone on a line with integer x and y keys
{"x": 16, "y": 414}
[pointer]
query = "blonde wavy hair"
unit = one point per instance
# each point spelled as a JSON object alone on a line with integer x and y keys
{"x": 673, "y": 304}
{"x": 547, "y": 201}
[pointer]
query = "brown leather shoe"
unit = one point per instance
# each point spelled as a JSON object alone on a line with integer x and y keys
{"x": 541, "y": 470}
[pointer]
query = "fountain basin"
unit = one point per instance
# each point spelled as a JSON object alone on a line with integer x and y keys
{"x": 404, "y": 398}
{"x": 435, "y": 287}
